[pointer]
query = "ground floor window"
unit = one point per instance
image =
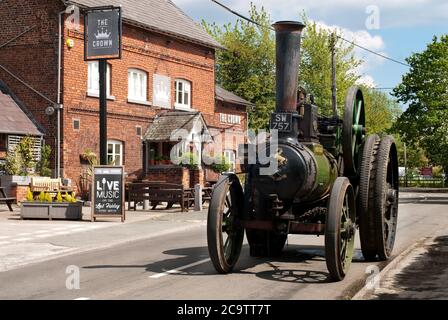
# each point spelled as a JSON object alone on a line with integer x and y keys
{"x": 230, "y": 157}
{"x": 115, "y": 152}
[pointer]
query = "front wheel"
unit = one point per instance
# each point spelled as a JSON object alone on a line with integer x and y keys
{"x": 340, "y": 229}
{"x": 224, "y": 233}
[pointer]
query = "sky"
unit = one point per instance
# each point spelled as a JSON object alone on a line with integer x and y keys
{"x": 395, "y": 28}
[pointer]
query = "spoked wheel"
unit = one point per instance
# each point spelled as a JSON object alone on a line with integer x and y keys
{"x": 364, "y": 210}
{"x": 386, "y": 197}
{"x": 224, "y": 234}
{"x": 340, "y": 229}
{"x": 354, "y": 130}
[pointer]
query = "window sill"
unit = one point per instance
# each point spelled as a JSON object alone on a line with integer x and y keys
{"x": 182, "y": 107}
{"x": 135, "y": 101}
{"x": 96, "y": 95}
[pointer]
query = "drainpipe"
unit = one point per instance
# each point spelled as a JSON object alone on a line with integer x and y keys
{"x": 58, "y": 142}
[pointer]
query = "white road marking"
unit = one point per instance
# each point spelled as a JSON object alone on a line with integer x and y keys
{"x": 82, "y": 298}
{"x": 2, "y": 243}
{"x": 4, "y": 237}
{"x": 177, "y": 270}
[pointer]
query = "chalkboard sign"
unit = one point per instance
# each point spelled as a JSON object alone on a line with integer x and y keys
{"x": 103, "y": 33}
{"x": 108, "y": 192}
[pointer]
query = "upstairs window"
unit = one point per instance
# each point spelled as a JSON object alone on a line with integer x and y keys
{"x": 137, "y": 85}
{"x": 93, "y": 88}
{"x": 183, "y": 94}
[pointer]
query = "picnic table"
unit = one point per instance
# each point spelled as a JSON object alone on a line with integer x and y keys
{"x": 8, "y": 200}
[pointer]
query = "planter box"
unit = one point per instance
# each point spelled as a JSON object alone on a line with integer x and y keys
{"x": 55, "y": 210}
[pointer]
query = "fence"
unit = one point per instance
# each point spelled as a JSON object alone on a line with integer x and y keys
{"x": 423, "y": 182}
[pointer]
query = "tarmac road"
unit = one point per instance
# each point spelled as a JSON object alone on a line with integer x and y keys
{"x": 176, "y": 266}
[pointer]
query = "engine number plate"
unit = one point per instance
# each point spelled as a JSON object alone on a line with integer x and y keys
{"x": 281, "y": 122}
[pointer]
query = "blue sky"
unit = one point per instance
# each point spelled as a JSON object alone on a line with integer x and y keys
{"x": 400, "y": 27}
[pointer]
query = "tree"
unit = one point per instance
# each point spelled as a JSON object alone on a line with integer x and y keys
{"x": 381, "y": 111}
{"x": 424, "y": 89}
{"x": 43, "y": 166}
{"x": 247, "y": 67}
{"x": 315, "y": 68}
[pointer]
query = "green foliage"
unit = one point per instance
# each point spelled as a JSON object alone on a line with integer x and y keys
{"x": 220, "y": 165}
{"x": 315, "y": 69}
{"x": 247, "y": 67}
{"x": 43, "y": 166}
{"x": 21, "y": 160}
{"x": 59, "y": 197}
{"x": 189, "y": 160}
{"x": 29, "y": 195}
{"x": 48, "y": 197}
{"x": 424, "y": 89}
{"x": 41, "y": 197}
{"x": 381, "y": 111}
{"x": 415, "y": 155}
{"x": 13, "y": 163}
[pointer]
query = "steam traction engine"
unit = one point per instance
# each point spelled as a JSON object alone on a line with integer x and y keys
{"x": 329, "y": 179}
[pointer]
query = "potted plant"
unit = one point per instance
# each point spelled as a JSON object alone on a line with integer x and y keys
{"x": 189, "y": 160}
{"x": 220, "y": 165}
{"x": 166, "y": 160}
{"x": 19, "y": 165}
{"x": 45, "y": 207}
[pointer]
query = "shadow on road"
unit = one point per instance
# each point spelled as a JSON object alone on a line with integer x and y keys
{"x": 280, "y": 267}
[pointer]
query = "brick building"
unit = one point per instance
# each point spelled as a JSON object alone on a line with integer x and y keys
{"x": 168, "y": 66}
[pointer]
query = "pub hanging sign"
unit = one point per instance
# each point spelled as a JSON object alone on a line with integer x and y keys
{"x": 108, "y": 192}
{"x": 102, "y": 33}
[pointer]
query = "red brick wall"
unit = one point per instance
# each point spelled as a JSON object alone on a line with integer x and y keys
{"x": 143, "y": 50}
{"x": 33, "y": 56}
{"x": 177, "y": 175}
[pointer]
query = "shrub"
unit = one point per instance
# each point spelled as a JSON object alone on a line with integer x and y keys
{"x": 59, "y": 197}
{"x": 42, "y": 167}
{"x": 220, "y": 165}
{"x": 189, "y": 160}
{"x": 29, "y": 195}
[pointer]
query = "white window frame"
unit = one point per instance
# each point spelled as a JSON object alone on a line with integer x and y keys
{"x": 93, "y": 82}
{"x": 230, "y": 156}
{"x": 114, "y": 153}
{"x": 139, "y": 92}
{"x": 185, "y": 102}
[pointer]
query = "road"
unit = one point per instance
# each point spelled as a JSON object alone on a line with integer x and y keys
{"x": 176, "y": 266}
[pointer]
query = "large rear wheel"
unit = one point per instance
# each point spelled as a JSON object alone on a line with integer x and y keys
{"x": 386, "y": 197}
{"x": 365, "y": 211}
{"x": 224, "y": 233}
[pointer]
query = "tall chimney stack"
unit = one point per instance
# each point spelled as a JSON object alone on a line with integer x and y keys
{"x": 288, "y": 37}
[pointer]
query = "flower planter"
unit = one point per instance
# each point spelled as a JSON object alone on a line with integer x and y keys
{"x": 54, "y": 210}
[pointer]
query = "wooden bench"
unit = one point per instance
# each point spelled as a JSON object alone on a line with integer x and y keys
{"x": 159, "y": 192}
{"x": 7, "y": 200}
{"x": 45, "y": 184}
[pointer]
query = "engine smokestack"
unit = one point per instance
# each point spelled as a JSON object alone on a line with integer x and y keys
{"x": 288, "y": 38}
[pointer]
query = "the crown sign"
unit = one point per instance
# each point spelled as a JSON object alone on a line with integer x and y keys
{"x": 103, "y": 35}
{"x": 162, "y": 92}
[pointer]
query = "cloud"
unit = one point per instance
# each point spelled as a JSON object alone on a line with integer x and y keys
{"x": 366, "y": 40}
{"x": 347, "y": 13}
